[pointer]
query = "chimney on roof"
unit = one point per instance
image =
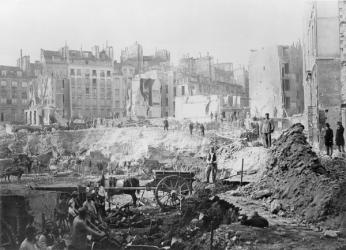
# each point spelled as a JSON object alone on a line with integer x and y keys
{"x": 96, "y": 51}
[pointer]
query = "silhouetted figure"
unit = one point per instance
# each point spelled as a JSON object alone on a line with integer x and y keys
{"x": 328, "y": 140}
{"x": 339, "y": 137}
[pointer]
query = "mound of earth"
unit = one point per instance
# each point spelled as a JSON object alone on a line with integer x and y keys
{"x": 297, "y": 181}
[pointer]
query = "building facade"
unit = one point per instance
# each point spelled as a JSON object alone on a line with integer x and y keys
{"x": 342, "y": 34}
{"x": 85, "y": 85}
{"x": 322, "y": 85}
{"x": 275, "y": 81}
{"x": 14, "y": 90}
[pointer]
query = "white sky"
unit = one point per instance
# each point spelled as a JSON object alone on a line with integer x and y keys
{"x": 227, "y": 29}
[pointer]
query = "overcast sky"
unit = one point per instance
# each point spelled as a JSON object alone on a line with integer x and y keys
{"x": 227, "y": 29}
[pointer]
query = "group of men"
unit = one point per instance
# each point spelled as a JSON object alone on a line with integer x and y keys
{"x": 191, "y": 127}
{"x": 82, "y": 218}
{"x": 339, "y": 138}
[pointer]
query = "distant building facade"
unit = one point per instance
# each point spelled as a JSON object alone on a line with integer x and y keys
{"x": 202, "y": 77}
{"x": 275, "y": 81}
{"x": 84, "y": 84}
{"x": 15, "y": 83}
{"x": 322, "y": 67}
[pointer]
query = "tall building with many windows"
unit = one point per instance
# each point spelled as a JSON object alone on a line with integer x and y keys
{"x": 84, "y": 83}
{"x": 14, "y": 84}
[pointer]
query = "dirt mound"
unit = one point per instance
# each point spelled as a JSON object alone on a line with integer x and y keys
{"x": 296, "y": 178}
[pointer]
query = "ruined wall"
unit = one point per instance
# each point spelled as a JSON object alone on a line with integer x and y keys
{"x": 329, "y": 89}
{"x": 265, "y": 82}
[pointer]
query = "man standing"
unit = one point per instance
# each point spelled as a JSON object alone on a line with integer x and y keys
{"x": 267, "y": 128}
{"x": 191, "y": 127}
{"x": 339, "y": 137}
{"x": 211, "y": 165}
{"x": 165, "y": 124}
{"x": 328, "y": 139}
{"x": 202, "y": 129}
{"x": 80, "y": 230}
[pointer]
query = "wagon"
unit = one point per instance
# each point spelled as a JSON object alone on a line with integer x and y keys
{"x": 169, "y": 187}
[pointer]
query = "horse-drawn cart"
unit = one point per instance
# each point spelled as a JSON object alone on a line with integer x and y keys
{"x": 169, "y": 187}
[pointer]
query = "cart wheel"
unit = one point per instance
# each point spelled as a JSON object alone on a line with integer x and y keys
{"x": 171, "y": 190}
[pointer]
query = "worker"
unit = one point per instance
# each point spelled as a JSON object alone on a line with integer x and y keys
{"x": 48, "y": 241}
{"x": 165, "y": 124}
{"x": 339, "y": 137}
{"x": 101, "y": 196}
{"x": 191, "y": 127}
{"x": 80, "y": 230}
{"x": 211, "y": 165}
{"x": 202, "y": 129}
{"x": 73, "y": 205}
{"x": 267, "y": 128}
{"x": 328, "y": 140}
{"x": 29, "y": 241}
{"x": 89, "y": 204}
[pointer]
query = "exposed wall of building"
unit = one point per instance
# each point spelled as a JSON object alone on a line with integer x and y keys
{"x": 14, "y": 90}
{"x": 265, "y": 83}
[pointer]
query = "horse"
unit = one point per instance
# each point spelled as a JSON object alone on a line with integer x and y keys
{"x": 10, "y": 171}
{"x": 129, "y": 182}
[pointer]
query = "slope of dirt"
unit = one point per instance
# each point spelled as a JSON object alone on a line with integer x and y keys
{"x": 296, "y": 177}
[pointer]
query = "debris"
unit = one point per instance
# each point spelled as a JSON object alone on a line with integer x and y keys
{"x": 275, "y": 206}
{"x": 331, "y": 233}
{"x": 255, "y": 220}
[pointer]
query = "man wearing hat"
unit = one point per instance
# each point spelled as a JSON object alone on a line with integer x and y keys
{"x": 267, "y": 128}
{"x": 80, "y": 230}
{"x": 211, "y": 164}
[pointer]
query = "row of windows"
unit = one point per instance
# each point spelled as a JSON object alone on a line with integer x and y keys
{"x": 86, "y": 73}
{"x": 9, "y": 101}
{"x": 14, "y": 84}
{"x": 80, "y": 104}
{"x": 4, "y": 73}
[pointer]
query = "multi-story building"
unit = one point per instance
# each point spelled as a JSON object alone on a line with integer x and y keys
{"x": 241, "y": 77}
{"x": 322, "y": 86}
{"x": 275, "y": 81}
{"x": 14, "y": 89}
{"x": 84, "y": 84}
{"x": 14, "y": 85}
{"x": 342, "y": 34}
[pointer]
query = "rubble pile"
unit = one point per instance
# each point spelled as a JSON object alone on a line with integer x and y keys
{"x": 295, "y": 182}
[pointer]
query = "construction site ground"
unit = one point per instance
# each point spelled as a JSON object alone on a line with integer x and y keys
{"x": 319, "y": 226}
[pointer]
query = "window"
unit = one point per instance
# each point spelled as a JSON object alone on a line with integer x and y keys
{"x": 287, "y": 102}
{"x": 72, "y": 72}
{"x": 14, "y": 92}
{"x": 14, "y": 84}
{"x": 166, "y": 89}
{"x": 19, "y": 73}
{"x": 2, "y": 117}
{"x": 286, "y": 68}
{"x": 14, "y": 101}
{"x": 102, "y": 73}
{"x": 108, "y": 73}
{"x": 182, "y": 90}
{"x": 3, "y": 100}
{"x": 117, "y": 92}
{"x": 264, "y": 68}
{"x": 87, "y": 90}
{"x": 3, "y": 83}
{"x": 117, "y": 104}
{"x": 94, "y": 81}
{"x": 9, "y": 101}
{"x": 94, "y": 72}
{"x": 24, "y": 95}
{"x": 79, "y": 72}
{"x": 175, "y": 91}
{"x": 24, "y": 84}
{"x": 166, "y": 101}
{"x": 3, "y": 73}
{"x": 286, "y": 84}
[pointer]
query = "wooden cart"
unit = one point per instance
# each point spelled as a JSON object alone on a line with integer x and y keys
{"x": 169, "y": 187}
